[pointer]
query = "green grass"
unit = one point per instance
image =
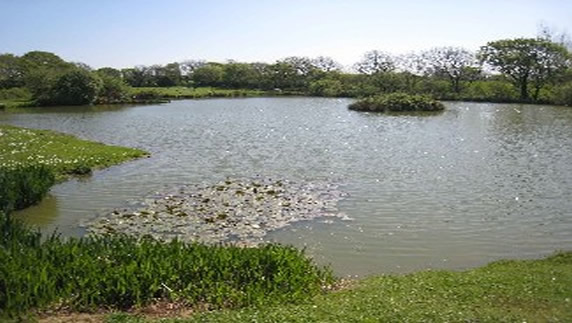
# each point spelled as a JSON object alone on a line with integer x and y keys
{"x": 119, "y": 272}
{"x": 504, "y": 291}
{"x": 63, "y": 154}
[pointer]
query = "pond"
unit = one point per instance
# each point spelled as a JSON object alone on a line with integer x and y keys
{"x": 476, "y": 183}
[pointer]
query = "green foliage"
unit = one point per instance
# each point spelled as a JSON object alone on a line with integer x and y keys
{"x": 495, "y": 91}
{"x": 562, "y": 94}
{"x": 397, "y": 102}
{"x": 12, "y": 71}
{"x": 527, "y": 62}
{"x": 15, "y": 93}
{"x": 113, "y": 90}
{"x": 74, "y": 87}
{"x": 326, "y": 87}
{"x": 121, "y": 272}
{"x": 239, "y": 75}
{"x": 23, "y": 186}
{"x": 536, "y": 68}
{"x": 208, "y": 75}
{"x": 505, "y": 291}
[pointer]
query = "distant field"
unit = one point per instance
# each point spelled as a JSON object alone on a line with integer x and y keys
{"x": 195, "y": 93}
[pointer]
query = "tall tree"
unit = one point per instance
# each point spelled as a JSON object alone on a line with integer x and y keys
{"x": 374, "y": 62}
{"x": 326, "y": 64}
{"x": 209, "y": 75}
{"x": 453, "y": 63}
{"x": 239, "y": 75}
{"x": 527, "y": 61}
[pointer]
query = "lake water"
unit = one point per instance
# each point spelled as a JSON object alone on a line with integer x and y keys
{"x": 476, "y": 183}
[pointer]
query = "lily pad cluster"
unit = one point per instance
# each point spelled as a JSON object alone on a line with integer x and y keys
{"x": 240, "y": 211}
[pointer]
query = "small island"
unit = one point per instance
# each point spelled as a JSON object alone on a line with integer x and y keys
{"x": 397, "y": 102}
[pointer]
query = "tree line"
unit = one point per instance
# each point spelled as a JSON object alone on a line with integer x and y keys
{"x": 510, "y": 70}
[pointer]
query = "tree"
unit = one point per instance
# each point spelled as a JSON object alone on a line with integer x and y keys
{"x": 165, "y": 76}
{"x": 302, "y": 65}
{"x": 238, "y": 75}
{"x": 38, "y": 59}
{"x": 71, "y": 87}
{"x": 526, "y": 61}
{"x": 555, "y": 36}
{"x": 189, "y": 66}
{"x": 453, "y": 63}
{"x": 11, "y": 71}
{"x": 326, "y": 64}
{"x": 113, "y": 89}
{"x": 109, "y": 71}
{"x": 374, "y": 62}
{"x": 208, "y": 75}
{"x": 75, "y": 87}
{"x": 139, "y": 76}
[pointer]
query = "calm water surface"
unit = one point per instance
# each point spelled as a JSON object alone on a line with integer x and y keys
{"x": 476, "y": 183}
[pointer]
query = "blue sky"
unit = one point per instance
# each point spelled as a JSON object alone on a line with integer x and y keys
{"x": 124, "y": 33}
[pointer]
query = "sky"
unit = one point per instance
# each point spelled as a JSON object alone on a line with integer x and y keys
{"x": 126, "y": 33}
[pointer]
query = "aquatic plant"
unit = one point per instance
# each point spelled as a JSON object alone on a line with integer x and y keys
{"x": 397, "y": 102}
{"x": 23, "y": 186}
{"x": 119, "y": 272}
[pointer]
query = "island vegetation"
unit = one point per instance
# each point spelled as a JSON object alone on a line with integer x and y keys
{"x": 397, "y": 102}
{"x": 531, "y": 70}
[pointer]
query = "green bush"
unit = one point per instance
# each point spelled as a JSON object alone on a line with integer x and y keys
{"x": 119, "y": 272}
{"x": 563, "y": 94}
{"x": 16, "y": 93}
{"x": 23, "y": 186}
{"x": 397, "y": 102}
{"x": 113, "y": 90}
{"x": 495, "y": 91}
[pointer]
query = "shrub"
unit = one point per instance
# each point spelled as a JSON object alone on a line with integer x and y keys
{"x": 16, "y": 93}
{"x": 397, "y": 102}
{"x": 24, "y": 186}
{"x": 495, "y": 91}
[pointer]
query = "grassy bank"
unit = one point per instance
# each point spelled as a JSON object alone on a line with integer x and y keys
{"x": 181, "y": 92}
{"x": 505, "y": 291}
{"x": 63, "y": 154}
{"x": 31, "y": 161}
{"x": 118, "y": 272}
